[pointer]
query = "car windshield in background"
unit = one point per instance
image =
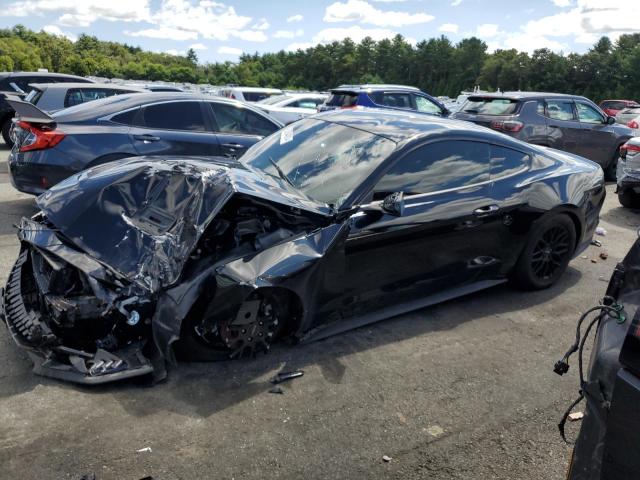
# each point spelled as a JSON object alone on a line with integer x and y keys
{"x": 342, "y": 99}
{"x": 490, "y": 106}
{"x": 325, "y": 161}
{"x": 257, "y": 96}
{"x": 274, "y": 99}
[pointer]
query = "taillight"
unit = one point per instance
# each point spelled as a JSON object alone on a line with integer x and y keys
{"x": 507, "y": 125}
{"x": 629, "y": 147}
{"x": 633, "y": 124}
{"x": 40, "y": 137}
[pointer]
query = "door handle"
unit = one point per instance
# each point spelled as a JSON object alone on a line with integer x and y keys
{"x": 234, "y": 146}
{"x": 147, "y": 138}
{"x": 554, "y": 126}
{"x": 484, "y": 211}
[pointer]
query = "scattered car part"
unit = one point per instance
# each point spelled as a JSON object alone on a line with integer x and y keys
{"x": 285, "y": 376}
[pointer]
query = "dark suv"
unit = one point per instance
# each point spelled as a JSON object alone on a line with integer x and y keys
{"x": 18, "y": 84}
{"x": 395, "y": 97}
{"x": 566, "y": 122}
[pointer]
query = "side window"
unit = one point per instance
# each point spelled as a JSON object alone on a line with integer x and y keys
{"x": 73, "y": 97}
{"x": 435, "y": 167}
{"x": 125, "y": 118}
{"x": 306, "y": 103}
{"x": 393, "y": 99}
{"x": 423, "y": 104}
{"x": 540, "y": 107}
{"x": 172, "y": 116}
{"x": 588, "y": 114}
{"x": 236, "y": 119}
{"x": 560, "y": 110}
{"x": 506, "y": 161}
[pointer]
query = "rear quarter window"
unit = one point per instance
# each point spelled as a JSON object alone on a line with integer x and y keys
{"x": 342, "y": 99}
{"x": 491, "y": 106}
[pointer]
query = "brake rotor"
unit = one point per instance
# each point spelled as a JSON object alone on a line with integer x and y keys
{"x": 248, "y": 338}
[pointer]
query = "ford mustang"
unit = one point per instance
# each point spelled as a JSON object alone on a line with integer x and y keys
{"x": 338, "y": 220}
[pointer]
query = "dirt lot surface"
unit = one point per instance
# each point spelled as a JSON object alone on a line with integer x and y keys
{"x": 464, "y": 390}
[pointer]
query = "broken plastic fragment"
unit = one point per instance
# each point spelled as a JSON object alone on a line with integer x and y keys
{"x": 284, "y": 376}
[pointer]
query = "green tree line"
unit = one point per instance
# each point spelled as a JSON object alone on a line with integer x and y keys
{"x": 437, "y": 66}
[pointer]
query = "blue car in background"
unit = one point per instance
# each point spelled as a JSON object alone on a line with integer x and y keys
{"x": 395, "y": 97}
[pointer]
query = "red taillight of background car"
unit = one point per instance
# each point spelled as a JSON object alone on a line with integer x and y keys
{"x": 40, "y": 137}
{"x": 633, "y": 124}
{"x": 629, "y": 147}
{"x": 507, "y": 125}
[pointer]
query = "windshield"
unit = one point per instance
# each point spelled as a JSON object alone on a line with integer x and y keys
{"x": 275, "y": 99}
{"x": 490, "y": 106}
{"x": 325, "y": 161}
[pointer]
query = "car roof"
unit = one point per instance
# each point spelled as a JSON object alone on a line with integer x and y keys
{"x": 401, "y": 126}
{"x": 43, "y": 74}
{"x": 256, "y": 89}
{"x": 66, "y": 85}
{"x": 618, "y": 100}
{"x": 118, "y": 103}
{"x": 525, "y": 95}
{"x": 374, "y": 86}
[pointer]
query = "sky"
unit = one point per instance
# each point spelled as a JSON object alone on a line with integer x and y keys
{"x": 222, "y": 30}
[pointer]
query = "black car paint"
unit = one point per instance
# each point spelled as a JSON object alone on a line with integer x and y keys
{"x": 597, "y": 142}
{"x": 94, "y": 137}
{"x": 608, "y": 444}
{"x": 345, "y": 267}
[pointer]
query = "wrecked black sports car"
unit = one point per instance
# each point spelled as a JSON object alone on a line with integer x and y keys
{"x": 335, "y": 221}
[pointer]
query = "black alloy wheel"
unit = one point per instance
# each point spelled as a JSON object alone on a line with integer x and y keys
{"x": 547, "y": 253}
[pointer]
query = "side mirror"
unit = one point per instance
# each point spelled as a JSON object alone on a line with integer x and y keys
{"x": 393, "y": 204}
{"x": 611, "y": 120}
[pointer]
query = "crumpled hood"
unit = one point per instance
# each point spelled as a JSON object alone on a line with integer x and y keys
{"x": 144, "y": 216}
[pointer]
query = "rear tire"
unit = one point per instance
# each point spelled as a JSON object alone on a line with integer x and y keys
{"x": 547, "y": 253}
{"x": 6, "y": 126}
{"x": 629, "y": 199}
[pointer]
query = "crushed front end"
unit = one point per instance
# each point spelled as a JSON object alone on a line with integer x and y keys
{"x": 78, "y": 320}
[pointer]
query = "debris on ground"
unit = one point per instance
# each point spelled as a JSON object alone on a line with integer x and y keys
{"x": 593, "y": 260}
{"x": 596, "y": 243}
{"x": 276, "y": 390}
{"x": 602, "y": 278}
{"x": 575, "y": 416}
{"x": 585, "y": 257}
{"x": 435, "y": 430}
{"x": 386, "y": 458}
{"x": 601, "y": 231}
{"x": 90, "y": 476}
{"x": 284, "y": 376}
{"x": 604, "y": 255}
{"x": 144, "y": 450}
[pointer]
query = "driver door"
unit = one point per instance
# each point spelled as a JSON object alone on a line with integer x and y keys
{"x": 438, "y": 243}
{"x": 596, "y": 136}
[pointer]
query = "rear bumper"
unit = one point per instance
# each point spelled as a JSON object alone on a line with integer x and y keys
{"x": 34, "y": 178}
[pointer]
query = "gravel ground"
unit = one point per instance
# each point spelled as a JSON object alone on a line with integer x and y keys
{"x": 463, "y": 390}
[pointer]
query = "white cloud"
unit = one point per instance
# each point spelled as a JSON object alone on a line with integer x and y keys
{"x": 55, "y": 30}
{"x": 487, "y": 30}
{"x": 295, "y": 18}
{"x": 205, "y": 18}
{"x": 173, "y": 51}
{"x": 389, "y": 1}
{"x": 230, "y": 51}
{"x": 449, "y": 28}
{"x": 165, "y": 33}
{"x": 298, "y": 46}
{"x": 455, "y": 3}
{"x": 262, "y": 24}
{"x": 80, "y": 12}
{"x": 363, "y": 12}
{"x": 199, "y": 46}
{"x": 288, "y": 33}
{"x": 561, "y": 3}
{"x": 355, "y": 33}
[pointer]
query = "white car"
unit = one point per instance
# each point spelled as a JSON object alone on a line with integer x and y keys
{"x": 248, "y": 94}
{"x": 290, "y": 107}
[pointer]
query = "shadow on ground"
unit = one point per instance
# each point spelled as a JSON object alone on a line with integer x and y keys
{"x": 202, "y": 389}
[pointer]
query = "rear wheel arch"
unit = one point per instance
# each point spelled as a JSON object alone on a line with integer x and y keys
{"x": 110, "y": 157}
